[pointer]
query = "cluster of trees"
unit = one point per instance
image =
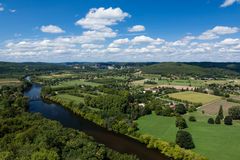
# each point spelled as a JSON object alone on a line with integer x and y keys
{"x": 30, "y": 136}
{"x": 234, "y": 112}
{"x": 224, "y": 90}
{"x": 12, "y": 97}
{"x": 183, "y": 138}
{"x": 171, "y": 149}
{"x": 227, "y": 119}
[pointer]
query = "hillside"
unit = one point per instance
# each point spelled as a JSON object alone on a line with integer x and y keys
{"x": 184, "y": 69}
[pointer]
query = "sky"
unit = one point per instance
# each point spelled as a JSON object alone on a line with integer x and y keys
{"x": 120, "y": 30}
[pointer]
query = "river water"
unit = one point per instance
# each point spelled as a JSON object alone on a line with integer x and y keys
{"x": 118, "y": 142}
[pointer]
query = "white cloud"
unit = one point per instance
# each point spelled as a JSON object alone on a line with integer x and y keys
{"x": 229, "y": 3}
{"x": 218, "y": 31}
{"x": 145, "y": 39}
{"x": 101, "y": 18}
{"x": 230, "y": 41}
{"x": 51, "y": 29}
{"x": 12, "y": 10}
{"x": 118, "y": 42}
{"x": 136, "y": 28}
{"x": 91, "y": 46}
{"x": 1, "y": 7}
{"x": 99, "y": 42}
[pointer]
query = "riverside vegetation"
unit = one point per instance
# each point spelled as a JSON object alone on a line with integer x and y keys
{"x": 160, "y": 112}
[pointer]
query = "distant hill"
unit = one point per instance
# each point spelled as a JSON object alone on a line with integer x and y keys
{"x": 189, "y": 69}
{"x": 234, "y": 66}
{"x": 18, "y": 68}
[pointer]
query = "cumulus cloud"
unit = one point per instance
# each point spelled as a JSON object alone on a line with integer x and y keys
{"x": 136, "y": 28}
{"x": 99, "y": 42}
{"x": 119, "y": 42}
{"x": 145, "y": 39}
{"x": 229, "y": 3}
{"x": 1, "y": 7}
{"x": 51, "y": 29}
{"x": 217, "y": 31}
{"x": 230, "y": 41}
{"x": 91, "y": 46}
{"x": 101, "y": 18}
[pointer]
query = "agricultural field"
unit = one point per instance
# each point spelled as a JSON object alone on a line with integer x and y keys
{"x": 9, "y": 82}
{"x": 212, "y": 108}
{"x": 74, "y": 83}
{"x": 209, "y": 139}
{"x": 69, "y": 98}
{"x": 181, "y": 82}
{"x": 63, "y": 75}
{"x": 195, "y": 97}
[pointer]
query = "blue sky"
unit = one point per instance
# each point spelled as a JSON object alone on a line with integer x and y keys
{"x": 119, "y": 30}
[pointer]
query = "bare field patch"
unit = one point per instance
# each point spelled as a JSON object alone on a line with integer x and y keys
{"x": 9, "y": 82}
{"x": 212, "y": 108}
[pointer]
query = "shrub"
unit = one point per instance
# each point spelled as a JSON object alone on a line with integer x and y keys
{"x": 228, "y": 120}
{"x": 169, "y": 149}
{"x": 218, "y": 120}
{"x": 234, "y": 112}
{"x": 220, "y": 113}
{"x": 210, "y": 121}
{"x": 184, "y": 140}
{"x": 181, "y": 123}
{"x": 180, "y": 109}
{"x": 192, "y": 119}
{"x": 167, "y": 111}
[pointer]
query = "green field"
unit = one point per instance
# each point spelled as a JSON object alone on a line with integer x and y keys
{"x": 74, "y": 83}
{"x": 194, "y": 97}
{"x": 217, "y": 142}
{"x": 181, "y": 82}
{"x": 69, "y": 98}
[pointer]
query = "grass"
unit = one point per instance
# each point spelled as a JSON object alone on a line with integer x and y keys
{"x": 194, "y": 97}
{"x": 64, "y": 75}
{"x": 9, "y": 81}
{"x": 181, "y": 82}
{"x": 217, "y": 142}
{"x": 75, "y": 82}
{"x": 69, "y": 98}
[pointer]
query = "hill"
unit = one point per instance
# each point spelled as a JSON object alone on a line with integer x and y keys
{"x": 188, "y": 69}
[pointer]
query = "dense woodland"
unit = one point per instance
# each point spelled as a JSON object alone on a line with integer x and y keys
{"x": 30, "y": 136}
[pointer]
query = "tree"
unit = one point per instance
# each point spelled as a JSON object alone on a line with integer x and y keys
{"x": 181, "y": 123}
{"x": 210, "y": 121}
{"x": 234, "y": 112}
{"x": 228, "y": 120}
{"x": 184, "y": 139}
{"x": 220, "y": 113}
{"x": 167, "y": 111}
{"x": 192, "y": 119}
{"x": 180, "y": 109}
{"x": 218, "y": 120}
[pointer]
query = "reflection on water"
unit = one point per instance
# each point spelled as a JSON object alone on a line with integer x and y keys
{"x": 112, "y": 140}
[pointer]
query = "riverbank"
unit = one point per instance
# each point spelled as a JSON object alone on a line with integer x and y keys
{"x": 67, "y": 118}
{"x": 169, "y": 150}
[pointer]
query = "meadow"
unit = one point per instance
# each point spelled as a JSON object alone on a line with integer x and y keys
{"x": 74, "y": 83}
{"x": 69, "y": 98}
{"x": 180, "y": 82}
{"x": 194, "y": 97}
{"x": 209, "y": 139}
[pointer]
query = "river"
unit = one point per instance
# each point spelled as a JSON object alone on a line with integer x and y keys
{"x": 118, "y": 142}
